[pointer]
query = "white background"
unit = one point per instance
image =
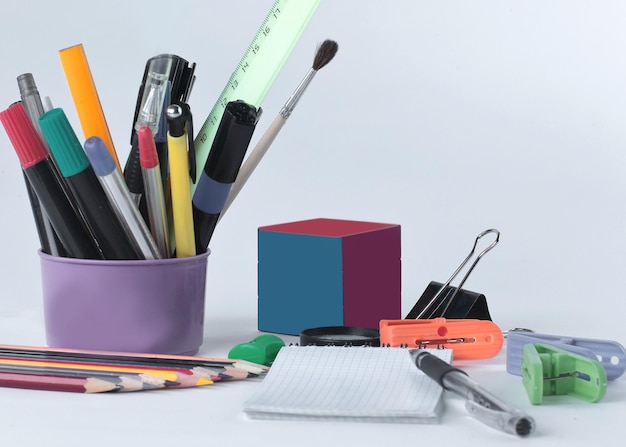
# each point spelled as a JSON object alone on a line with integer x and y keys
{"x": 446, "y": 117}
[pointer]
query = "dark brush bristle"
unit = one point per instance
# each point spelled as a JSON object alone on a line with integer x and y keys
{"x": 325, "y": 53}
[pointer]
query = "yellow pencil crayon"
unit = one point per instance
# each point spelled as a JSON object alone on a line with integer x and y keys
{"x": 85, "y": 96}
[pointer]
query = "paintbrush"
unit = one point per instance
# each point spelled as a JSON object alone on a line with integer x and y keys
{"x": 324, "y": 54}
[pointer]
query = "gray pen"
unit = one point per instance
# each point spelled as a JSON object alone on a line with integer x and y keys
{"x": 31, "y": 101}
{"x": 480, "y": 403}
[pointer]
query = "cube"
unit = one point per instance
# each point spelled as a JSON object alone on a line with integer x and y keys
{"x": 327, "y": 272}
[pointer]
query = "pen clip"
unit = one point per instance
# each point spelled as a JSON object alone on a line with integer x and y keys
{"x": 190, "y": 145}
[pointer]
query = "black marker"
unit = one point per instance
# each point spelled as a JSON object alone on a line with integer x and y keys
{"x": 221, "y": 168}
{"x": 167, "y": 78}
{"x": 39, "y": 170}
{"x": 87, "y": 191}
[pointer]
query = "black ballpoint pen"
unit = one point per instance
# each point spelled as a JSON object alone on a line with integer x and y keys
{"x": 163, "y": 72}
{"x": 480, "y": 403}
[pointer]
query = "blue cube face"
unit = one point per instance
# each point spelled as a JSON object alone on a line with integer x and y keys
{"x": 300, "y": 282}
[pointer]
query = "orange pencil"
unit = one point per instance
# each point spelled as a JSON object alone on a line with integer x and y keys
{"x": 85, "y": 97}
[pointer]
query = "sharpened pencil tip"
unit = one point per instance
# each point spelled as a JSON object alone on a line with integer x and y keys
{"x": 325, "y": 53}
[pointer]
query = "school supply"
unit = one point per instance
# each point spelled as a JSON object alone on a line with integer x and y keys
{"x": 51, "y": 191}
{"x": 31, "y": 101}
{"x": 85, "y": 96}
{"x": 120, "y": 198}
{"x": 262, "y": 350}
{"x": 325, "y": 53}
{"x": 225, "y": 369}
{"x": 153, "y": 192}
{"x": 258, "y": 67}
{"x": 90, "y": 198}
{"x": 444, "y": 300}
{"x": 166, "y": 78}
{"x": 82, "y": 384}
{"x": 220, "y": 170}
{"x": 180, "y": 150}
{"x": 347, "y": 384}
{"x": 480, "y": 403}
{"x": 469, "y": 339}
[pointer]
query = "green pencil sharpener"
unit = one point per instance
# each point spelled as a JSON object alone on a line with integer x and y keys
{"x": 262, "y": 350}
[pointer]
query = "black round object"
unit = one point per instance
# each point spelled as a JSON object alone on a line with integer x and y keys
{"x": 340, "y": 336}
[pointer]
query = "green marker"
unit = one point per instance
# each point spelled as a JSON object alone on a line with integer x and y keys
{"x": 259, "y": 66}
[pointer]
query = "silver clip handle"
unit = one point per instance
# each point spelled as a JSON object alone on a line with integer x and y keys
{"x": 459, "y": 268}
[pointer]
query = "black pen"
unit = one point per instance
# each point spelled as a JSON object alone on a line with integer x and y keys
{"x": 220, "y": 170}
{"x": 167, "y": 78}
{"x": 38, "y": 167}
{"x": 90, "y": 198}
{"x": 480, "y": 403}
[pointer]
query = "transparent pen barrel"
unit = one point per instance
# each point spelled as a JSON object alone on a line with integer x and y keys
{"x": 488, "y": 408}
{"x": 157, "y": 215}
{"x": 129, "y": 215}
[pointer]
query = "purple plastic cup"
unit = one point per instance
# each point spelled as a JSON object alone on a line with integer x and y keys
{"x": 152, "y": 306}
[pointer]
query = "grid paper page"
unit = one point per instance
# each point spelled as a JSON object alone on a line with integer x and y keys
{"x": 353, "y": 383}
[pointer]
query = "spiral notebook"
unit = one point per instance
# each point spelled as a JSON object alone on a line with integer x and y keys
{"x": 347, "y": 383}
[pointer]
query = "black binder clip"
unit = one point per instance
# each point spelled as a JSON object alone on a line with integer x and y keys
{"x": 444, "y": 300}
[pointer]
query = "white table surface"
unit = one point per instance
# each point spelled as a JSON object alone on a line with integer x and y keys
{"x": 445, "y": 117}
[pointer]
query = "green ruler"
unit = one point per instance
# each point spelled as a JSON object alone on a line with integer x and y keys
{"x": 258, "y": 67}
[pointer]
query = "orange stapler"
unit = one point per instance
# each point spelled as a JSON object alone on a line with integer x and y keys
{"x": 469, "y": 339}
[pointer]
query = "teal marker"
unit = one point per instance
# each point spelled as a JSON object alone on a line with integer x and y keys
{"x": 258, "y": 68}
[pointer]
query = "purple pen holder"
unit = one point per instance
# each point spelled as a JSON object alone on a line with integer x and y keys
{"x": 154, "y": 306}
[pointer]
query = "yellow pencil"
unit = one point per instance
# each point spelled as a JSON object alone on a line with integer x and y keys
{"x": 180, "y": 184}
{"x": 85, "y": 96}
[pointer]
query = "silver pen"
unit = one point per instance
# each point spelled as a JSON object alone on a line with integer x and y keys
{"x": 480, "y": 403}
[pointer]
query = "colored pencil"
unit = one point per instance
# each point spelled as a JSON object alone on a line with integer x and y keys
{"x": 70, "y": 384}
{"x": 184, "y": 371}
{"x": 180, "y": 375}
{"x": 235, "y": 368}
{"x": 138, "y": 379}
